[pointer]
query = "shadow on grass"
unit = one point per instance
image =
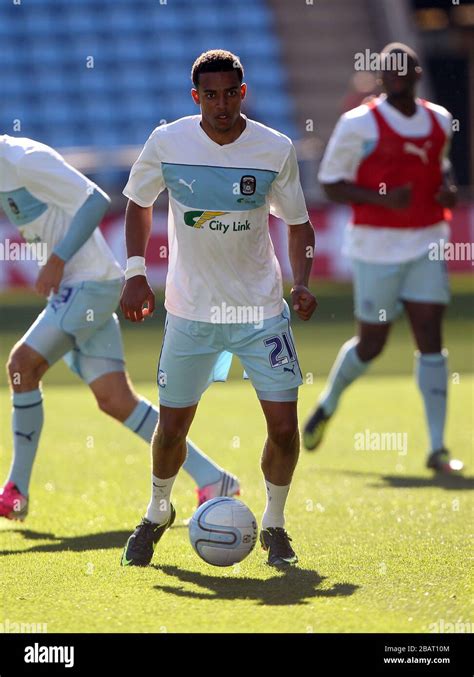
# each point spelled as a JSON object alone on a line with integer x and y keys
{"x": 294, "y": 586}
{"x": 33, "y": 535}
{"x": 99, "y": 541}
{"x": 448, "y": 482}
{"x": 441, "y": 481}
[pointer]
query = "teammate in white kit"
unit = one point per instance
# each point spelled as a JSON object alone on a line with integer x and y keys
{"x": 52, "y": 203}
{"x": 224, "y": 174}
{"x": 387, "y": 159}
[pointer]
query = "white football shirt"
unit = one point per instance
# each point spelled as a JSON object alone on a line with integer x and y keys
{"x": 220, "y": 251}
{"x": 354, "y": 137}
{"x": 41, "y": 193}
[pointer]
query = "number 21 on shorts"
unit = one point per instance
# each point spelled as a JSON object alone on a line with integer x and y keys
{"x": 283, "y": 350}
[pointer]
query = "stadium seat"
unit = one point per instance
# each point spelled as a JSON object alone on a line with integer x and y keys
{"x": 120, "y": 20}
{"x": 45, "y": 52}
{"x": 79, "y": 21}
{"x": 130, "y": 50}
{"x": 8, "y": 57}
{"x": 166, "y": 18}
{"x": 53, "y": 82}
{"x": 142, "y": 60}
{"x": 253, "y": 16}
{"x": 38, "y": 22}
{"x": 133, "y": 78}
{"x": 207, "y": 21}
{"x": 56, "y": 110}
{"x": 94, "y": 81}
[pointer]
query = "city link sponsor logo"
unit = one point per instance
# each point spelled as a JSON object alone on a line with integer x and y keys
{"x": 24, "y": 251}
{"x": 15, "y": 627}
{"x": 38, "y": 653}
{"x": 197, "y": 219}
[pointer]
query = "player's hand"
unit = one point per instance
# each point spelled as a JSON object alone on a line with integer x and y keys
{"x": 50, "y": 276}
{"x": 303, "y": 302}
{"x": 398, "y": 198}
{"x": 447, "y": 196}
{"x": 137, "y": 300}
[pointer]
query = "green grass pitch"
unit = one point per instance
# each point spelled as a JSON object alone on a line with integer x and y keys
{"x": 382, "y": 547}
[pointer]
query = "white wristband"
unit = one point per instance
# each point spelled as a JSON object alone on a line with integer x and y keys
{"x": 135, "y": 266}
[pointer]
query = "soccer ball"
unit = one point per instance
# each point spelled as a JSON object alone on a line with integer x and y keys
{"x": 223, "y": 531}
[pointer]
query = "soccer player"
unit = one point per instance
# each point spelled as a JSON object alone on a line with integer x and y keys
{"x": 224, "y": 174}
{"x": 388, "y": 159}
{"x": 54, "y": 204}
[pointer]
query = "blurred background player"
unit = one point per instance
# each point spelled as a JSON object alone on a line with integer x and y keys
{"x": 224, "y": 173}
{"x": 52, "y": 203}
{"x": 388, "y": 159}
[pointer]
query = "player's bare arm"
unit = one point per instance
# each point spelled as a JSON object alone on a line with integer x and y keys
{"x": 50, "y": 276}
{"x": 82, "y": 225}
{"x": 301, "y": 252}
{"x": 137, "y": 299}
{"x": 447, "y": 195}
{"x": 349, "y": 193}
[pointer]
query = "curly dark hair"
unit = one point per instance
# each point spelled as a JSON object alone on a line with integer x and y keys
{"x": 216, "y": 61}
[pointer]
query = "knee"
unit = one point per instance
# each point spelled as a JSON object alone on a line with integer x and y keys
{"x": 428, "y": 337}
{"x": 108, "y": 402}
{"x": 370, "y": 348}
{"x": 284, "y": 434}
{"x": 20, "y": 369}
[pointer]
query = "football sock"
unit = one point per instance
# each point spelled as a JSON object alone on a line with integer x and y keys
{"x": 159, "y": 509}
{"x": 202, "y": 469}
{"x": 347, "y": 367}
{"x": 432, "y": 377}
{"x": 27, "y": 422}
{"x": 143, "y": 420}
{"x": 275, "y": 506}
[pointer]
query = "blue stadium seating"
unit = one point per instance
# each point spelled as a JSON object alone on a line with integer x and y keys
{"x": 142, "y": 56}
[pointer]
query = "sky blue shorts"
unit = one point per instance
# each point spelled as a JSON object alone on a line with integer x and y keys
{"x": 194, "y": 354}
{"x": 79, "y": 325}
{"x": 380, "y": 288}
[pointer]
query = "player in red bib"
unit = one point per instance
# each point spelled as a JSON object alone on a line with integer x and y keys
{"x": 388, "y": 160}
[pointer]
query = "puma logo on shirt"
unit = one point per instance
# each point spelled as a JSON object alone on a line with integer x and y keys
{"x": 422, "y": 152}
{"x": 188, "y": 185}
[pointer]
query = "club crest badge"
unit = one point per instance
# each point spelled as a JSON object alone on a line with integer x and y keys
{"x": 13, "y": 206}
{"x": 248, "y": 185}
